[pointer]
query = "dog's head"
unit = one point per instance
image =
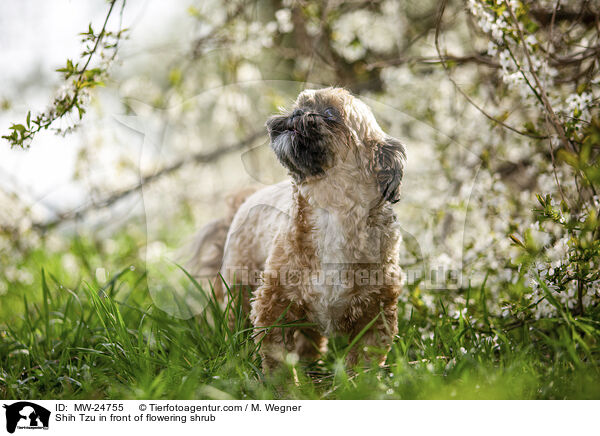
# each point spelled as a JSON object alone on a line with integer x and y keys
{"x": 329, "y": 127}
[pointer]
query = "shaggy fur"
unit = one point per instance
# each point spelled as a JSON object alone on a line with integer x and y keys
{"x": 322, "y": 248}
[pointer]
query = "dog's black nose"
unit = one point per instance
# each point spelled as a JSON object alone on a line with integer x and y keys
{"x": 296, "y": 113}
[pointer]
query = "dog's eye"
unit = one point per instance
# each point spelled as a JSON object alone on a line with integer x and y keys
{"x": 330, "y": 112}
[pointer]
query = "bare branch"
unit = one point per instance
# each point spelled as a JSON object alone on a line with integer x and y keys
{"x": 197, "y": 158}
{"x": 548, "y": 16}
{"x": 477, "y": 58}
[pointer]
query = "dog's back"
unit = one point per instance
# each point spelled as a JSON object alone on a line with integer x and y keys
{"x": 207, "y": 248}
{"x": 250, "y": 237}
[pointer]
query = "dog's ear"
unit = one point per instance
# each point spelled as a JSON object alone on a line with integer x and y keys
{"x": 388, "y": 167}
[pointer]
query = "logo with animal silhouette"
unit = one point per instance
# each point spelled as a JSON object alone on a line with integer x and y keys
{"x": 26, "y": 415}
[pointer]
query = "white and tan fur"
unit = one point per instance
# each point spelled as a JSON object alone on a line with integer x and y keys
{"x": 333, "y": 216}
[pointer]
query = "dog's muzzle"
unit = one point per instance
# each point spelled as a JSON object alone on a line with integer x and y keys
{"x": 298, "y": 143}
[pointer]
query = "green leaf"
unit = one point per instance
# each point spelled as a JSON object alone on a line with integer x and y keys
{"x": 18, "y": 127}
{"x": 568, "y": 157}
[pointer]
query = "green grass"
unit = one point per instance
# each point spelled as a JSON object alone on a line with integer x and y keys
{"x": 93, "y": 341}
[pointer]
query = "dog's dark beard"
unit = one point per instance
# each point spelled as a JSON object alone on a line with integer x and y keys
{"x": 300, "y": 143}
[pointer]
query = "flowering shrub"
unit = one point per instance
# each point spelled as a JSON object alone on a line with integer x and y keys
{"x": 561, "y": 248}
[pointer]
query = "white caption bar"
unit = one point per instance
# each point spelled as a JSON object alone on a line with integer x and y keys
{"x": 298, "y": 417}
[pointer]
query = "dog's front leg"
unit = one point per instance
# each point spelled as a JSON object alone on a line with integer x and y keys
{"x": 375, "y": 343}
{"x": 270, "y": 313}
{"x": 310, "y": 345}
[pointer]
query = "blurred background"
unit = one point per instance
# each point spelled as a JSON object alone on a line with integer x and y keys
{"x": 136, "y": 142}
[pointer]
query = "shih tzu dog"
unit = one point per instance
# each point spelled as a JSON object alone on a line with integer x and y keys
{"x": 318, "y": 253}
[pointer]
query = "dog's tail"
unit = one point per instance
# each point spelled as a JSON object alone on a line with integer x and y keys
{"x": 205, "y": 253}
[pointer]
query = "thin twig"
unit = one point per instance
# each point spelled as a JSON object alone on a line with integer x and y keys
{"x": 542, "y": 91}
{"x": 30, "y": 134}
{"x": 560, "y": 190}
